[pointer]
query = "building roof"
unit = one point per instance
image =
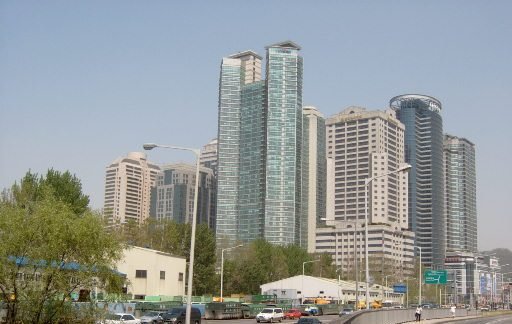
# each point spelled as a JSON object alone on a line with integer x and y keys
{"x": 285, "y": 44}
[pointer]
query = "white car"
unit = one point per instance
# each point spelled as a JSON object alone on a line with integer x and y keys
{"x": 270, "y": 315}
{"x": 121, "y": 318}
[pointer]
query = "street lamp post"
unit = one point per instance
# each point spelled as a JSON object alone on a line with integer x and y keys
{"x": 197, "y": 152}
{"x": 303, "y": 264}
{"x": 420, "y": 276}
{"x": 367, "y": 182}
{"x": 222, "y": 269}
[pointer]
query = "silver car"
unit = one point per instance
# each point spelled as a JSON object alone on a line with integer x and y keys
{"x": 152, "y": 317}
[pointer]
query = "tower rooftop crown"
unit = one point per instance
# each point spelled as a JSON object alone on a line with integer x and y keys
{"x": 285, "y": 44}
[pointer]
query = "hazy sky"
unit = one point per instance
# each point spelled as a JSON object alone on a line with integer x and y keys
{"x": 84, "y": 82}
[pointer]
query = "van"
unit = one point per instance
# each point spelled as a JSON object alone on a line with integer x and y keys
{"x": 177, "y": 315}
{"x": 270, "y": 315}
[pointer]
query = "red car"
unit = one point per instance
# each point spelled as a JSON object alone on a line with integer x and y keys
{"x": 292, "y": 313}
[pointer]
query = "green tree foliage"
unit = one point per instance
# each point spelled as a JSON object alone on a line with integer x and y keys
{"x": 65, "y": 187}
{"x": 48, "y": 252}
{"x": 259, "y": 262}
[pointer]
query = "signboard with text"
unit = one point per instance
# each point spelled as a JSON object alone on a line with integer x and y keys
{"x": 435, "y": 277}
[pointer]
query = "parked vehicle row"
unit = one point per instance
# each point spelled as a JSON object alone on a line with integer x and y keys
{"x": 173, "y": 316}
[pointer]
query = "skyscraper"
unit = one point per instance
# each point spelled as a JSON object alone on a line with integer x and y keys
{"x": 260, "y": 141}
{"x": 421, "y": 116}
{"x": 314, "y": 175}
{"x": 460, "y": 195}
{"x": 174, "y": 194}
{"x": 283, "y": 143}
{"x": 237, "y": 71}
{"x": 128, "y": 183}
{"x": 364, "y": 144}
{"x": 208, "y": 157}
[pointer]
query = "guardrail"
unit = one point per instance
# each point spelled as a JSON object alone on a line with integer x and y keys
{"x": 395, "y": 316}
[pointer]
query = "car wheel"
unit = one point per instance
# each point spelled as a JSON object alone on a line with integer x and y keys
{"x": 280, "y": 319}
{"x": 257, "y": 321}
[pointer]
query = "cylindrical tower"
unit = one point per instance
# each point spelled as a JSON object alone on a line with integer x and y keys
{"x": 421, "y": 116}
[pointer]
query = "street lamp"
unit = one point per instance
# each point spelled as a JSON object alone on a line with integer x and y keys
{"x": 420, "y": 275}
{"x": 222, "y": 268}
{"x": 367, "y": 182}
{"x": 197, "y": 152}
{"x": 303, "y": 264}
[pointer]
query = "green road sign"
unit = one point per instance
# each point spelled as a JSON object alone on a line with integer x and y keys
{"x": 435, "y": 277}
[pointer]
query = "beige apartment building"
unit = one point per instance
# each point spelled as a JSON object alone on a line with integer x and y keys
{"x": 128, "y": 183}
{"x": 363, "y": 145}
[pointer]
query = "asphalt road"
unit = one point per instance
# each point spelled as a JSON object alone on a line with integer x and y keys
{"x": 323, "y": 319}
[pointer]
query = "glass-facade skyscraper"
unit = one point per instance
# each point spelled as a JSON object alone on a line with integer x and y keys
{"x": 314, "y": 175}
{"x": 260, "y": 138}
{"x": 421, "y": 116}
{"x": 460, "y": 195}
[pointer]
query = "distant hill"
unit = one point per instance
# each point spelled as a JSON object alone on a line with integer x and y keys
{"x": 505, "y": 256}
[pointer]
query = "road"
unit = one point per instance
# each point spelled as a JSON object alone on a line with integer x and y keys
{"x": 323, "y": 319}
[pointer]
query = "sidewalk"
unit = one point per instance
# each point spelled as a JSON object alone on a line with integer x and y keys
{"x": 446, "y": 319}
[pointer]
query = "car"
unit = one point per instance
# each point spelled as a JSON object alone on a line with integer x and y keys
{"x": 292, "y": 313}
{"x": 120, "y": 318}
{"x": 309, "y": 320}
{"x": 484, "y": 308}
{"x": 346, "y": 311}
{"x": 273, "y": 314}
{"x": 177, "y": 315}
{"x": 152, "y": 317}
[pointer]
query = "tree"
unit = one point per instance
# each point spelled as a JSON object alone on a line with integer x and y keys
{"x": 47, "y": 252}
{"x": 204, "y": 281}
{"x": 65, "y": 187}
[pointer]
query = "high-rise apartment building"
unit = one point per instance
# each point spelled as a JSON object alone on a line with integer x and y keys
{"x": 208, "y": 159}
{"x": 174, "y": 194}
{"x": 460, "y": 195}
{"x": 421, "y": 116}
{"x": 128, "y": 183}
{"x": 362, "y": 145}
{"x": 314, "y": 175}
{"x": 259, "y": 146}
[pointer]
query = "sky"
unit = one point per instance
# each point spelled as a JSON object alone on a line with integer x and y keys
{"x": 85, "y": 82}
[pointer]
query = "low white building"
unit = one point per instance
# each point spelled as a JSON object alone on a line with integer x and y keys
{"x": 308, "y": 288}
{"x": 152, "y": 273}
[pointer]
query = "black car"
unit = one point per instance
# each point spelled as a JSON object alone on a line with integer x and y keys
{"x": 177, "y": 315}
{"x": 309, "y": 320}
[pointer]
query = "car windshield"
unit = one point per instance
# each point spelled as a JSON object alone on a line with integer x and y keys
{"x": 150, "y": 314}
{"x": 113, "y": 317}
{"x": 267, "y": 310}
{"x": 347, "y": 309}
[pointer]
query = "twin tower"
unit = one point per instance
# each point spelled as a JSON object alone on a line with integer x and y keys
{"x": 280, "y": 171}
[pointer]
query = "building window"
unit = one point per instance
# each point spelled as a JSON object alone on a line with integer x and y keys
{"x": 141, "y": 273}
{"x": 180, "y": 276}
{"x": 162, "y": 274}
